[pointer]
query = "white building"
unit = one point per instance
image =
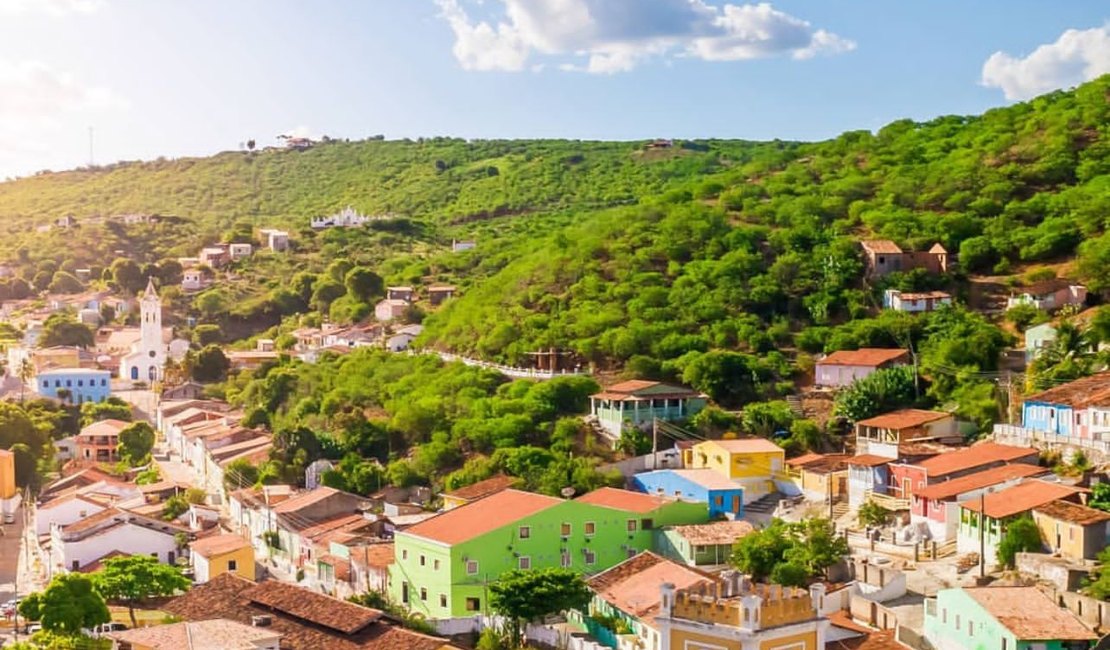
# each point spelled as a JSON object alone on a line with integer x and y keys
{"x": 193, "y": 279}
{"x": 275, "y": 240}
{"x": 403, "y": 338}
{"x": 111, "y": 531}
{"x": 239, "y": 251}
{"x": 387, "y": 309}
{"x": 915, "y": 302}
{"x": 147, "y": 359}
{"x": 346, "y": 218}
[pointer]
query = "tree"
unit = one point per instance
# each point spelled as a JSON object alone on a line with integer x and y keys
{"x": 69, "y": 604}
{"x": 174, "y": 507}
{"x": 62, "y": 329}
{"x": 128, "y": 275}
{"x": 1021, "y": 536}
{"x": 25, "y": 372}
{"x": 1071, "y": 355}
{"x": 872, "y": 514}
{"x": 812, "y": 546}
{"x": 135, "y": 578}
{"x": 205, "y": 335}
{"x": 211, "y": 303}
{"x": 363, "y": 284}
{"x": 63, "y": 282}
{"x": 525, "y": 596}
{"x": 1099, "y": 585}
{"x": 210, "y": 364}
{"x": 112, "y": 408}
{"x": 135, "y": 442}
{"x": 883, "y": 390}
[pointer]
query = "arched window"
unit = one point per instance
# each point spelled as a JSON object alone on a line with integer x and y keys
{"x": 153, "y": 372}
{"x": 134, "y": 373}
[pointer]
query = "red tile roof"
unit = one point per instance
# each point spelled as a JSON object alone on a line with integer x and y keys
{"x": 715, "y": 533}
{"x": 903, "y": 419}
{"x": 310, "y": 606}
{"x": 869, "y": 460}
{"x": 484, "y": 488}
{"x": 305, "y": 500}
{"x": 1074, "y": 513}
{"x": 625, "y": 500}
{"x": 218, "y": 545}
{"x": 379, "y": 556}
{"x": 1081, "y": 393}
{"x": 633, "y": 585}
{"x": 640, "y": 389}
{"x": 884, "y": 246}
{"x": 981, "y": 454}
{"x": 481, "y": 516}
{"x": 820, "y": 463}
{"x": 1020, "y": 498}
{"x": 986, "y": 478}
{"x": 1030, "y": 614}
{"x": 869, "y": 357}
{"x": 104, "y": 428}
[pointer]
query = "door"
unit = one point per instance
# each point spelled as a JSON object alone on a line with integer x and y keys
{"x": 736, "y": 504}
{"x": 907, "y": 483}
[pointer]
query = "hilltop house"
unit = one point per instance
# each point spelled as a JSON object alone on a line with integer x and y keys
{"x": 390, "y": 309}
{"x": 1012, "y": 618}
{"x": 275, "y": 240}
{"x": 913, "y": 303}
{"x": 348, "y": 217}
{"x": 884, "y": 435}
{"x": 907, "y": 477}
{"x": 439, "y": 293}
{"x": 882, "y": 256}
{"x": 752, "y": 463}
{"x": 460, "y": 245}
{"x": 98, "y": 441}
{"x": 1037, "y": 338}
{"x": 1076, "y": 410}
{"x": 637, "y": 403}
{"x": 444, "y": 563}
{"x": 844, "y": 367}
{"x": 1049, "y": 295}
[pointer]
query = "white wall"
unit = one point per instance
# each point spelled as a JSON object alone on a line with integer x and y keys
{"x": 64, "y": 514}
{"x": 129, "y": 538}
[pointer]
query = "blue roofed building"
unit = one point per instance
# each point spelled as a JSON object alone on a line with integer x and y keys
{"x": 723, "y": 496}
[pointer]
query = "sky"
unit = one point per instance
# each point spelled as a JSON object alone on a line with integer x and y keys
{"x": 177, "y": 78}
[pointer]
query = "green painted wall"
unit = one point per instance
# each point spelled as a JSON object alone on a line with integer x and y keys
{"x": 440, "y": 570}
{"x": 954, "y": 607}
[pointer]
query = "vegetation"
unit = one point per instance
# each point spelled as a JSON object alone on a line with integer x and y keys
{"x": 873, "y": 514}
{"x": 1021, "y": 536}
{"x": 69, "y": 604}
{"x": 789, "y": 553}
{"x": 526, "y": 596}
{"x": 135, "y": 443}
{"x": 135, "y": 578}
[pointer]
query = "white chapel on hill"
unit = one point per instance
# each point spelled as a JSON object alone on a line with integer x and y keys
{"x": 147, "y": 358}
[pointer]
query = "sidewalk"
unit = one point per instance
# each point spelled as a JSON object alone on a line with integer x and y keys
{"x": 31, "y": 573}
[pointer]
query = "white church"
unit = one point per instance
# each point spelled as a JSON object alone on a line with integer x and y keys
{"x": 147, "y": 359}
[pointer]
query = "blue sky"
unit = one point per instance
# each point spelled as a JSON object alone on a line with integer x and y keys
{"x": 176, "y": 77}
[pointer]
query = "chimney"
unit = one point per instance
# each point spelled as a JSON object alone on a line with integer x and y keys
{"x": 817, "y": 595}
{"x": 666, "y": 592}
{"x": 261, "y": 620}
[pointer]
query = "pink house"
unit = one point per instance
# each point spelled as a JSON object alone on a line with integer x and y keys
{"x": 937, "y": 506}
{"x": 843, "y": 367}
{"x": 1049, "y": 295}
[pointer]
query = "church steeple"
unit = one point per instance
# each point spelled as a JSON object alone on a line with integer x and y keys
{"x": 151, "y": 293}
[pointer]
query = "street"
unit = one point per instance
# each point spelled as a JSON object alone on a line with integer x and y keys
{"x": 9, "y": 565}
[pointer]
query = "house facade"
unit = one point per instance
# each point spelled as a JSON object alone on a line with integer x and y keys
{"x": 82, "y": 384}
{"x": 867, "y": 474}
{"x": 219, "y": 554}
{"x": 1074, "y": 410}
{"x": 443, "y": 564}
{"x": 723, "y": 497}
{"x": 1072, "y": 530}
{"x": 637, "y": 403}
{"x": 882, "y": 256}
{"x": 753, "y": 463}
{"x": 99, "y": 441}
{"x": 1049, "y": 295}
{"x": 1002, "y": 507}
{"x": 390, "y": 309}
{"x": 86, "y": 541}
{"x": 884, "y": 435}
{"x": 1014, "y": 618}
{"x": 844, "y": 367}
{"x": 937, "y": 506}
{"x": 1037, "y": 338}
{"x": 701, "y": 544}
{"x": 915, "y": 302}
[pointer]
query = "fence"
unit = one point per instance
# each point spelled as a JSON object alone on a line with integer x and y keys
{"x": 547, "y": 635}
{"x": 1095, "y": 613}
{"x": 918, "y": 551}
{"x": 1025, "y": 437}
{"x": 510, "y": 371}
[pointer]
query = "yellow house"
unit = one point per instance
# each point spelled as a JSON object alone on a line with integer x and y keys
{"x": 741, "y": 616}
{"x": 1075, "y": 531}
{"x": 220, "y": 554}
{"x": 751, "y": 462}
{"x": 815, "y": 475}
{"x": 7, "y": 474}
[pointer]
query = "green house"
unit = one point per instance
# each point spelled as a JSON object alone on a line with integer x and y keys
{"x": 637, "y": 403}
{"x": 702, "y": 544}
{"x": 1002, "y": 618}
{"x": 443, "y": 565}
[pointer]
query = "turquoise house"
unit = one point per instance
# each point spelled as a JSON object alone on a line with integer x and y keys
{"x": 1037, "y": 338}
{"x": 1002, "y": 618}
{"x": 638, "y": 403}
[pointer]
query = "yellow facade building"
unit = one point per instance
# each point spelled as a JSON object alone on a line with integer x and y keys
{"x": 7, "y": 474}
{"x": 220, "y": 554}
{"x": 753, "y": 463}
{"x": 738, "y": 615}
{"x": 1075, "y": 531}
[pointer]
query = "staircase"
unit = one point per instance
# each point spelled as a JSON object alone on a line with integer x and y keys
{"x": 765, "y": 504}
{"x": 795, "y": 403}
{"x": 840, "y": 509}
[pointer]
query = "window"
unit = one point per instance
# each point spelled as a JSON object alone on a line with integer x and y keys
{"x": 423, "y": 560}
{"x": 473, "y": 604}
{"x": 564, "y": 530}
{"x": 970, "y": 627}
{"x": 957, "y": 621}
{"x": 80, "y": 383}
{"x": 76, "y": 565}
{"x": 646, "y": 524}
{"x": 589, "y": 527}
{"x": 443, "y": 600}
{"x": 591, "y": 558}
{"x": 423, "y": 593}
{"x": 471, "y": 567}
{"x": 103, "y": 382}
{"x": 404, "y": 554}
{"x": 525, "y": 532}
{"x": 69, "y": 383}
{"x": 944, "y": 616}
{"x": 564, "y": 559}
{"x": 524, "y": 562}
{"x": 719, "y": 500}
{"x": 630, "y": 525}
{"x": 435, "y": 565}
{"x": 232, "y": 565}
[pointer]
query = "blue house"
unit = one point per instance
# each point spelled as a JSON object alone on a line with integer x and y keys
{"x": 83, "y": 384}
{"x": 724, "y": 497}
{"x": 1061, "y": 410}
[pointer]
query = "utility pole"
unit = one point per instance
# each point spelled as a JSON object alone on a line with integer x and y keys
{"x": 655, "y": 443}
{"x": 983, "y": 535}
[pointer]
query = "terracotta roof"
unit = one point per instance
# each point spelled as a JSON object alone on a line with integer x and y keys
{"x": 872, "y": 640}
{"x": 481, "y": 489}
{"x": 869, "y": 460}
{"x": 1045, "y": 287}
{"x": 978, "y": 455}
{"x": 305, "y": 500}
{"x": 1074, "y": 513}
{"x": 481, "y": 516}
{"x": 903, "y": 419}
{"x": 218, "y": 545}
{"x": 746, "y": 445}
{"x": 923, "y": 295}
{"x": 884, "y": 246}
{"x": 715, "y": 533}
{"x": 633, "y": 585}
{"x": 1020, "y": 498}
{"x": 1030, "y": 614}
{"x": 302, "y": 617}
{"x": 986, "y": 478}
{"x": 639, "y": 388}
{"x": 340, "y": 565}
{"x": 1081, "y": 393}
{"x": 871, "y": 357}
{"x": 626, "y": 500}
{"x": 197, "y": 635}
{"x": 379, "y": 556}
{"x": 333, "y": 524}
{"x": 841, "y": 618}
{"x": 104, "y": 428}
{"x": 820, "y": 463}
{"x": 92, "y": 521}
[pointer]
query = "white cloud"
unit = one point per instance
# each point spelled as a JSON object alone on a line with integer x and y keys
{"x": 609, "y": 36}
{"x": 1075, "y": 57}
{"x": 52, "y": 7}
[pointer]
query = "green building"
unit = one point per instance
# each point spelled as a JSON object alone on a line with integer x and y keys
{"x": 1002, "y": 618}
{"x": 442, "y": 565}
{"x": 702, "y": 544}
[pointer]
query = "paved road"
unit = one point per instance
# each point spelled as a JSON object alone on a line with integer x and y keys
{"x": 9, "y": 563}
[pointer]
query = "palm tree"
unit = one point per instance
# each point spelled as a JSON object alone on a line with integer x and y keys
{"x": 25, "y": 372}
{"x": 1070, "y": 356}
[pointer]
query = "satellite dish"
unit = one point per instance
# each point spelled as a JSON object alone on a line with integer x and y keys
{"x": 567, "y": 492}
